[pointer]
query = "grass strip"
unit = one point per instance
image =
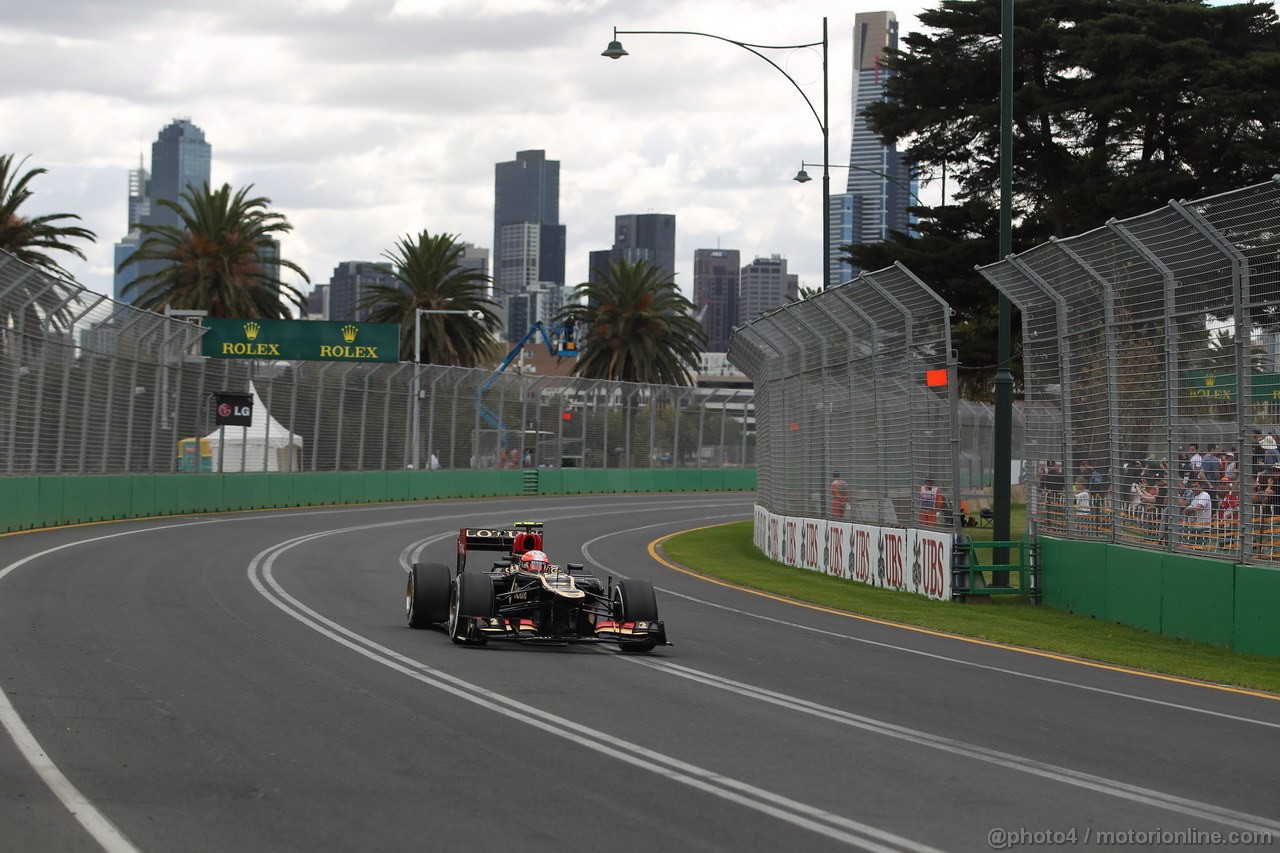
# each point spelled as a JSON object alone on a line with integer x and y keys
{"x": 728, "y": 553}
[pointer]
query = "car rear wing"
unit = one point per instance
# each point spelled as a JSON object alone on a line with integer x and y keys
{"x": 493, "y": 538}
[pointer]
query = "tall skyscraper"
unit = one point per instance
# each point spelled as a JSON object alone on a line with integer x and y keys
{"x": 180, "y": 157}
{"x": 841, "y": 215}
{"x": 715, "y": 294}
{"x": 639, "y": 237}
{"x": 350, "y": 281}
{"x": 528, "y": 239}
{"x": 764, "y": 284}
{"x": 880, "y": 183}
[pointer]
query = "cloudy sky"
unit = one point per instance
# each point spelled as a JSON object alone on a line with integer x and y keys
{"x": 364, "y": 120}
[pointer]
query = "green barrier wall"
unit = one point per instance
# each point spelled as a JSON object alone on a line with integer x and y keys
{"x": 31, "y": 502}
{"x": 1209, "y": 601}
{"x": 1257, "y": 600}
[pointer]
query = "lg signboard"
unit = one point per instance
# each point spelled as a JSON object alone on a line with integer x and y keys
{"x": 233, "y": 409}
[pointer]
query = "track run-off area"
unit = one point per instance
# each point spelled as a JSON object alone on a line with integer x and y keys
{"x": 247, "y": 681}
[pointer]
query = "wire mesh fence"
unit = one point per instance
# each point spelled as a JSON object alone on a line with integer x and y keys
{"x": 1152, "y": 364}
{"x": 92, "y": 386}
{"x": 856, "y": 415}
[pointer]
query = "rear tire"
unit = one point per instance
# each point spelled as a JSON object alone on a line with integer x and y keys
{"x": 472, "y": 595}
{"x": 426, "y": 596}
{"x": 634, "y": 601}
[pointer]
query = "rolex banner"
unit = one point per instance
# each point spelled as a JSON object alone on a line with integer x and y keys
{"x": 300, "y": 340}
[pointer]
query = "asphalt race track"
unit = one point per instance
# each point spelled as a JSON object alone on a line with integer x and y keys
{"x": 247, "y": 682}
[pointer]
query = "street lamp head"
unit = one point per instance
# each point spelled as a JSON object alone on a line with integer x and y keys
{"x": 802, "y": 177}
{"x": 614, "y": 50}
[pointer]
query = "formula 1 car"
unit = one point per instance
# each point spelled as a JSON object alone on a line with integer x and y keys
{"x": 530, "y": 601}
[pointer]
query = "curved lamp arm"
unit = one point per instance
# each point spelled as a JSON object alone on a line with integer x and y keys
{"x": 615, "y": 51}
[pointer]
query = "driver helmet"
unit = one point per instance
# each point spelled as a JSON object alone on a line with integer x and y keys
{"x": 534, "y": 561}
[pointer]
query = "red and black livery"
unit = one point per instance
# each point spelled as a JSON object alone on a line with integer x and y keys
{"x": 505, "y": 601}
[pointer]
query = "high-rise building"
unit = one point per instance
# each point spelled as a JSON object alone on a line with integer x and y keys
{"x": 139, "y": 195}
{"x": 350, "y": 281}
{"x": 880, "y": 181}
{"x": 317, "y": 303}
{"x": 528, "y": 239}
{"x": 474, "y": 258}
{"x": 765, "y": 284}
{"x": 841, "y": 215}
{"x": 715, "y": 294}
{"x": 180, "y": 158}
{"x": 539, "y": 303}
{"x": 647, "y": 236}
{"x": 639, "y": 237}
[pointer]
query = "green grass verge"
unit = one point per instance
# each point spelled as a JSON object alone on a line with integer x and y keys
{"x": 727, "y": 552}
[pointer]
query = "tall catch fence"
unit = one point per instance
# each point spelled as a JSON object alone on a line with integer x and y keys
{"x": 843, "y": 387}
{"x": 92, "y": 386}
{"x": 1151, "y": 352}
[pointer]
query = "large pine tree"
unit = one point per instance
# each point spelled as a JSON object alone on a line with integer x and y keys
{"x": 1119, "y": 106}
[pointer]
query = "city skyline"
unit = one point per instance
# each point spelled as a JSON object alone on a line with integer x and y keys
{"x": 363, "y": 122}
{"x": 366, "y": 120}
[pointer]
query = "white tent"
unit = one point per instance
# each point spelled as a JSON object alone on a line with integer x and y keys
{"x": 264, "y": 445}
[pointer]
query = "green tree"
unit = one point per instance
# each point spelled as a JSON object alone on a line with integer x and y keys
{"x": 429, "y": 274}
{"x": 217, "y": 261}
{"x": 30, "y": 239}
{"x": 640, "y": 327}
{"x": 1119, "y": 105}
{"x": 805, "y": 293}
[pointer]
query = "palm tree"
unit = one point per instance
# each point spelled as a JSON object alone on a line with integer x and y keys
{"x": 430, "y": 275}
{"x": 641, "y": 328}
{"x": 220, "y": 260}
{"x": 805, "y": 293}
{"x": 29, "y": 239}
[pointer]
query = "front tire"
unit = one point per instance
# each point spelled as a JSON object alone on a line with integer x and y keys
{"x": 634, "y": 601}
{"x": 471, "y": 596}
{"x": 426, "y": 596}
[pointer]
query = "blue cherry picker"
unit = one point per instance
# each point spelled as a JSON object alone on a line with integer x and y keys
{"x": 561, "y": 342}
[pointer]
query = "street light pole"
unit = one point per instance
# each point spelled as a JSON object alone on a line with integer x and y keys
{"x": 417, "y": 372}
{"x": 615, "y": 51}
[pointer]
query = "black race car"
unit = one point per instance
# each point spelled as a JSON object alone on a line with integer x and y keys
{"x": 506, "y": 601}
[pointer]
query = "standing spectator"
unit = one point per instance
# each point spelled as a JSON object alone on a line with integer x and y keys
{"x": 1184, "y": 466}
{"x": 435, "y": 461}
{"x": 928, "y": 502}
{"x": 528, "y": 459}
{"x": 1199, "y": 509}
{"x": 1270, "y": 456}
{"x": 1195, "y": 460}
{"x": 1136, "y": 492}
{"x": 1229, "y": 505}
{"x": 1084, "y": 501}
{"x": 1211, "y": 464}
{"x": 839, "y": 495}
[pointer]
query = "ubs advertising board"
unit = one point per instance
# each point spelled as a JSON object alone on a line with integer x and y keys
{"x": 300, "y": 340}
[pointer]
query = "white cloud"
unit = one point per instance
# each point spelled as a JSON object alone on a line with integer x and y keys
{"x": 364, "y": 120}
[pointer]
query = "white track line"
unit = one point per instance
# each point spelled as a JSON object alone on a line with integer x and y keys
{"x": 797, "y": 626}
{"x": 94, "y": 822}
{"x": 517, "y": 710}
{"x": 799, "y": 814}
